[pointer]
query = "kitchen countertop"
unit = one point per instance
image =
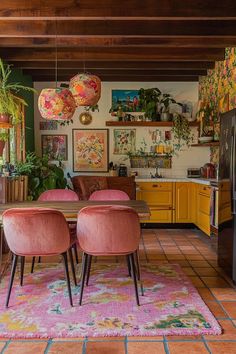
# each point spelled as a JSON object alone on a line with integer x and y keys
{"x": 183, "y": 179}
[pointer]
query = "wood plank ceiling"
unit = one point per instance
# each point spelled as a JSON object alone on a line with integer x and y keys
{"x": 131, "y": 40}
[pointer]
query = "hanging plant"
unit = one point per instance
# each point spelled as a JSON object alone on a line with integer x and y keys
{"x": 181, "y": 131}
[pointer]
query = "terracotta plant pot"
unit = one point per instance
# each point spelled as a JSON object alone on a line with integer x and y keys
{"x": 4, "y": 117}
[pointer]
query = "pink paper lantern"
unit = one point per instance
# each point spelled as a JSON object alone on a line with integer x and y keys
{"x": 56, "y": 104}
{"x": 86, "y": 89}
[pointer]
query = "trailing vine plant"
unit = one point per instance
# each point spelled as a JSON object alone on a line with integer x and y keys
{"x": 181, "y": 132}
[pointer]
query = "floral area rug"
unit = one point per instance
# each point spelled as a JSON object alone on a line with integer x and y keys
{"x": 170, "y": 306}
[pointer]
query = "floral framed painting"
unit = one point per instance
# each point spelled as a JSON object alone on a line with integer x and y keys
{"x": 55, "y": 146}
{"x": 124, "y": 141}
{"x": 90, "y": 150}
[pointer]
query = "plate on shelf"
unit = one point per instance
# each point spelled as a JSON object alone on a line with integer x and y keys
{"x": 205, "y": 139}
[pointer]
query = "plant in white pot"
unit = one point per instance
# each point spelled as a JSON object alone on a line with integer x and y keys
{"x": 10, "y": 104}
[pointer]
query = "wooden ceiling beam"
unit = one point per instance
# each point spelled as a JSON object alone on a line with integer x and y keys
{"x": 21, "y": 28}
{"x": 121, "y": 65}
{"x": 131, "y": 8}
{"x": 71, "y": 42}
{"x": 111, "y": 78}
{"x": 116, "y": 54}
{"x": 115, "y": 72}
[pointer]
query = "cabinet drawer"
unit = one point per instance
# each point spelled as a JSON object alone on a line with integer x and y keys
{"x": 204, "y": 204}
{"x": 156, "y": 198}
{"x": 167, "y": 186}
{"x": 205, "y": 190}
{"x": 164, "y": 216}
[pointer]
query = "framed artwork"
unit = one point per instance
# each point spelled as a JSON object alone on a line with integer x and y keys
{"x": 124, "y": 141}
{"x": 48, "y": 125}
{"x": 128, "y": 100}
{"x": 55, "y": 146}
{"x": 90, "y": 150}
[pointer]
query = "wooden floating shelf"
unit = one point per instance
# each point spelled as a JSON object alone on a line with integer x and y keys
{"x": 213, "y": 143}
{"x": 4, "y": 125}
{"x": 110, "y": 123}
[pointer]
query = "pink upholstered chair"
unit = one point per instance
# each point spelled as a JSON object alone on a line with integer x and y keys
{"x": 36, "y": 232}
{"x": 60, "y": 195}
{"x": 105, "y": 231}
{"x": 109, "y": 194}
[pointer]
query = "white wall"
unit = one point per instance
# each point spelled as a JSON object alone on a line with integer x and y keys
{"x": 192, "y": 157}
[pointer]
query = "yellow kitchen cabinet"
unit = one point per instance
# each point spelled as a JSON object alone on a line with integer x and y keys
{"x": 203, "y": 208}
{"x": 159, "y": 197}
{"x": 183, "y": 202}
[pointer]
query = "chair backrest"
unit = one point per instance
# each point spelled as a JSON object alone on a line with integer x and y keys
{"x": 109, "y": 194}
{"x": 36, "y": 231}
{"x": 58, "y": 195}
{"x": 108, "y": 229}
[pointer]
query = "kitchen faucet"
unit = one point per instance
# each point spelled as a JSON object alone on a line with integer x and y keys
{"x": 157, "y": 173}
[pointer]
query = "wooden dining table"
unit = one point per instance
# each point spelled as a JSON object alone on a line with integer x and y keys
{"x": 70, "y": 211}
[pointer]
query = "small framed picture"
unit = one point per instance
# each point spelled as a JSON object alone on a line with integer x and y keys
{"x": 55, "y": 146}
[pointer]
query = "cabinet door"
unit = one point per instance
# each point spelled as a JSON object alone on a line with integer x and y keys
{"x": 183, "y": 201}
{"x": 203, "y": 209}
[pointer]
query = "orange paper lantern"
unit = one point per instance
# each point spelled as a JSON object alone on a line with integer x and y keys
{"x": 86, "y": 89}
{"x": 56, "y": 104}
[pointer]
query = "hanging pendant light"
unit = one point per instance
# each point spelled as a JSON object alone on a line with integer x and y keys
{"x": 56, "y": 103}
{"x": 86, "y": 89}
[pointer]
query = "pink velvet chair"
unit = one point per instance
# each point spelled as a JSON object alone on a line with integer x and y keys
{"x": 109, "y": 194}
{"x": 105, "y": 231}
{"x": 60, "y": 195}
{"x": 36, "y": 232}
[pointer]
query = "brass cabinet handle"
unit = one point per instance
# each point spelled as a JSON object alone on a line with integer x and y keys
{"x": 155, "y": 185}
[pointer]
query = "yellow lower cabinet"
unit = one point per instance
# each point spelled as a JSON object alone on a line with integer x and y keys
{"x": 159, "y": 197}
{"x": 203, "y": 209}
{"x": 183, "y": 202}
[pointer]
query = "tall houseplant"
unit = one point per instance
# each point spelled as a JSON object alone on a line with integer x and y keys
{"x": 42, "y": 174}
{"x": 10, "y": 104}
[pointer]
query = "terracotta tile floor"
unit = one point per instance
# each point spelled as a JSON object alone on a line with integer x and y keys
{"x": 192, "y": 250}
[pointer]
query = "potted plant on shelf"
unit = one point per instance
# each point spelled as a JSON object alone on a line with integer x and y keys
{"x": 181, "y": 131}
{"x": 208, "y": 117}
{"x": 165, "y": 103}
{"x": 149, "y": 100}
{"x": 10, "y": 104}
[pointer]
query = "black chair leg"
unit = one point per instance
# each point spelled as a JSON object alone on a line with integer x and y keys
{"x": 32, "y": 265}
{"x": 39, "y": 260}
{"x": 64, "y": 255}
{"x": 133, "y": 272}
{"x": 128, "y": 265}
{"x": 84, "y": 269}
{"x": 139, "y": 272}
{"x": 22, "y": 267}
{"x": 72, "y": 265}
{"x": 76, "y": 253}
{"x": 13, "y": 270}
{"x": 89, "y": 268}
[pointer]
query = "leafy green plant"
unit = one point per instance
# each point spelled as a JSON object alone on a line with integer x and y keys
{"x": 209, "y": 115}
{"x": 4, "y": 135}
{"x": 10, "y": 103}
{"x": 181, "y": 131}
{"x": 42, "y": 174}
{"x": 165, "y": 101}
{"x": 149, "y": 100}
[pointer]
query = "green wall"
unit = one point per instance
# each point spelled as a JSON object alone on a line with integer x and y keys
{"x": 26, "y": 80}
